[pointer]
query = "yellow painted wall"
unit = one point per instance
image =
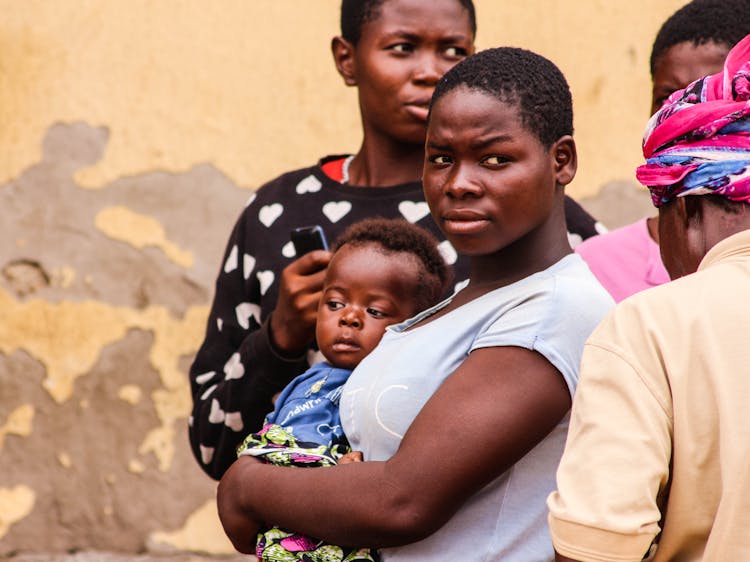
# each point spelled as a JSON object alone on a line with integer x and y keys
{"x": 183, "y": 82}
{"x": 154, "y": 90}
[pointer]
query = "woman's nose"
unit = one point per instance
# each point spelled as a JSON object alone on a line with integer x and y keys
{"x": 460, "y": 184}
{"x": 427, "y": 70}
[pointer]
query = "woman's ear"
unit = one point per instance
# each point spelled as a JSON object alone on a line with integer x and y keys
{"x": 343, "y": 57}
{"x": 565, "y": 159}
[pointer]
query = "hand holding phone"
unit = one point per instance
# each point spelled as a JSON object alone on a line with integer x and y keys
{"x": 293, "y": 320}
{"x": 308, "y": 238}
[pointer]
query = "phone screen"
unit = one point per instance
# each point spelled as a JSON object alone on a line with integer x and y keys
{"x": 308, "y": 238}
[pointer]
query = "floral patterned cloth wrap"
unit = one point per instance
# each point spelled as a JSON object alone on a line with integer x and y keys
{"x": 698, "y": 143}
{"x": 277, "y": 446}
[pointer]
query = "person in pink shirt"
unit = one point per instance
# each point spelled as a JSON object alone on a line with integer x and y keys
{"x": 625, "y": 260}
{"x": 691, "y": 43}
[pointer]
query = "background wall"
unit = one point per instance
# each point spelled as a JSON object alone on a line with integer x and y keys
{"x": 131, "y": 134}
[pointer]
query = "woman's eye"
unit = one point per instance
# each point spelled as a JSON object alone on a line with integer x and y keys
{"x": 494, "y": 160}
{"x": 457, "y": 52}
{"x": 402, "y": 47}
{"x": 440, "y": 159}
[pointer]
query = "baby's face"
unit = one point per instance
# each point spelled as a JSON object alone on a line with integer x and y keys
{"x": 366, "y": 289}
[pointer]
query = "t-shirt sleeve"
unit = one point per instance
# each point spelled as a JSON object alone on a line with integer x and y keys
{"x": 616, "y": 460}
{"x": 554, "y": 320}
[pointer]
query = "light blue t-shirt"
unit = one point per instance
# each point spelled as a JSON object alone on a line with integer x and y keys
{"x": 551, "y": 312}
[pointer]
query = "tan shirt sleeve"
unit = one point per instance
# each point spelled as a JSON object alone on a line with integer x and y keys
{"x": 616, "y": 460}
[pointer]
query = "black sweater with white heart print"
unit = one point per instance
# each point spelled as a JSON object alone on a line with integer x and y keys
{"x": 236, "y": 371}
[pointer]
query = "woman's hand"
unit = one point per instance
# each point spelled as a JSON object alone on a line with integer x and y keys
{"x": 239, "y": 526}
{"x": 293, "y": 320}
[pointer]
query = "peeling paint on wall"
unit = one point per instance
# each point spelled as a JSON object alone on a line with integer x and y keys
{"x": 63, "y": 277}
{"x": 130, "y": 393}
{"x": 68, "y": 337}
{"x": 121, "y": 223}
{"x": 19, "y": 422}
{"x": 15, "y": 504}
{"x": 100, "y": 320}
{"x": 64, "y": 459}
{"x": 202, "y": 532}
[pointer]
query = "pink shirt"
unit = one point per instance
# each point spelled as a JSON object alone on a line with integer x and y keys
{"x": 625, "y": 260}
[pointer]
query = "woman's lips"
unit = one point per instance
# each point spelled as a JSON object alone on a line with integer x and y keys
{"x": 418, "y": 109}
{"x": 464, "y": 221}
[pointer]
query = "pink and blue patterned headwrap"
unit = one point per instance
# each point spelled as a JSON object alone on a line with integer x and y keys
{"x": 698, "y": 143}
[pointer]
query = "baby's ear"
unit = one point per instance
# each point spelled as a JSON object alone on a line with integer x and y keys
{"x": 343, "y": 58}
{"x": 565, "y": 159}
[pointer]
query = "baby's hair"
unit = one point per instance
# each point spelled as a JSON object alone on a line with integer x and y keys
{"x": 520, "y": 78}
{"x": 724, "y": 22}
{"x": 356, "y": 13}
{"x": 400, "y": 236}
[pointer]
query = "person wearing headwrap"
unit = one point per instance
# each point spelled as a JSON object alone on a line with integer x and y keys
{"x": 693, "y": 42}
{"x": 658, "y": 450}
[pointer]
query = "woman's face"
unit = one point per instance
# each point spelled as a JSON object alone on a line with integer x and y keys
{"x": 400, "y": 56}
{"x": 681, "y": 65}
{"x": 489, "y": 181}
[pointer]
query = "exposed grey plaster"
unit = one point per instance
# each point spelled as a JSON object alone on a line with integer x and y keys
{"x": 47, "y": 219}
{"x": 47, "y": 226}
{"x": 619, "y": 203}
{"x": 100, "y": 434}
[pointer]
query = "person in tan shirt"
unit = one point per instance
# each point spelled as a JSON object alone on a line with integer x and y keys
{"x": 657, "y": 456}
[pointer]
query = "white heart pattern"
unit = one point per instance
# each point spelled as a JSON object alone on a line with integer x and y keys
{"x": 310, "y": 184}
{"x": 209, "y": 392}
{"x": 250, "y": 199}
{"x": 205, "y": 377}
{"x": 231, "y": 263}
{"x": 413, "y": 211}
{"x": 234, "y": 421}
{"x": 448, "y": 252}
{"x": 266, "y": 278}
{"x": 207, "y": 453}
{"x": 234, "y": 369}
{"x": 269, "y": 213}
{"x": 574, "y": 239}
{"x": 288, "y": 250}
{"x": 244, "y": 311}
{"x": 248, "y": 264}
{"x": 216, "y": 415}
{"x": 219, "y": 323}
{"x": 335, "y": 210}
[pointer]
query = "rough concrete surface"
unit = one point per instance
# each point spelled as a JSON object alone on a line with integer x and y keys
{"x": 619, "y": 203}
{"x": 100, "y": 318}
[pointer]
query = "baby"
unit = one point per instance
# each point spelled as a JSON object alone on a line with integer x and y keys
{"x": 383, "y": 271}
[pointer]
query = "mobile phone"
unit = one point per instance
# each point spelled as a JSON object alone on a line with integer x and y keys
{"x": 308, "y": 238}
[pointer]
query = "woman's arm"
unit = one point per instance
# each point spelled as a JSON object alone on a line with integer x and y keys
{"x": 505, "y": 400}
